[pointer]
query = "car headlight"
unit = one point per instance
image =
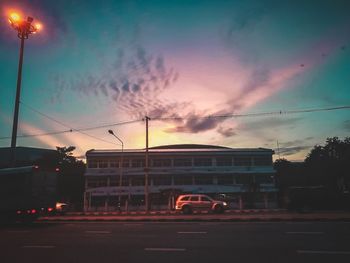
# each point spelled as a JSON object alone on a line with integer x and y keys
{"x": 224, "y": 203}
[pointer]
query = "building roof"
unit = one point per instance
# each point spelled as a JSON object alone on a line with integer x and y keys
{"x": 180, "y": 148}
{"x": 24, "y": 155}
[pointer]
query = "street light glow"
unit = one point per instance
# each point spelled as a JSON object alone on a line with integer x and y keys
{"x": 38, "y": 26}
{"x": 14, "y": 17}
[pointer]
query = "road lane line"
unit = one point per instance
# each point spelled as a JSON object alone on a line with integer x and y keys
{"x": 38, "y": 246}
{"x": 18, "y": 231}
{"x": 193, "y": 232}
{"x": 305, "y": 233}
{"x": 165, "y": 249}
{"x": 98, "y": 232}
{"x": 323, "y": 252}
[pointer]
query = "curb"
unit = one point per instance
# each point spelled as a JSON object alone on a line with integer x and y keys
{"x": 336, "y": 217}
{"x": 142, "y": 213}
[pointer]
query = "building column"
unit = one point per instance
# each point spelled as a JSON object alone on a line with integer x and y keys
{"x": 84, "y": 202}
{"x": 240, "y": 202}
{"x": 107, "y": 198}
{"x": 266, "y": 200}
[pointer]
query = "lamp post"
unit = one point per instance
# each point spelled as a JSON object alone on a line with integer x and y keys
{"x": 121, "y": 163}
{"x": 24, "y": 28}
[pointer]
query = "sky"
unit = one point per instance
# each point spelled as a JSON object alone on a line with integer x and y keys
{"x": 100, "y": 65}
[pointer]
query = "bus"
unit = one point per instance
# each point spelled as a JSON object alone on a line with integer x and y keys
{"x": 27, "y": 192}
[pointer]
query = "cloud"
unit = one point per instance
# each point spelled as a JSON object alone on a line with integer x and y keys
{"x": 292, "y": 150}
{"x": 195, "y": 123}
{"x": 133, "y": 81}
{"x": 226, "y": 132}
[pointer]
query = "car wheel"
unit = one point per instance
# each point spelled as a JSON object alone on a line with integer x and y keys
{"x": 186, "y": 210}
{"x": 218, "y": 209}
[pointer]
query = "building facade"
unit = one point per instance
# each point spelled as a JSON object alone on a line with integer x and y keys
{"x": 243, "y": 177}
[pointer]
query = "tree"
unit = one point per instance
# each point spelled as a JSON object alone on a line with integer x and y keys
{"x": 71, "y": 177}
{"x": 329, "y": 164}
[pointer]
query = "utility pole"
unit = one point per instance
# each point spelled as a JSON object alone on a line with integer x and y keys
{"x": 146, "y": 169}
{"x": 278, "y": 149}
{"x": 18, "y": 95}
{"x": 24, "y": 28}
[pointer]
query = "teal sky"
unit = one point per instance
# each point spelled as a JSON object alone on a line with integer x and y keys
{"x": 97, "y": 63}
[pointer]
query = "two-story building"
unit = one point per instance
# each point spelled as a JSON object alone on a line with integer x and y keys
{"x": 244, "y": 177}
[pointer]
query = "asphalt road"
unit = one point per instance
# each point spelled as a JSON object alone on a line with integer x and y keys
{"x": 181, "y": 242}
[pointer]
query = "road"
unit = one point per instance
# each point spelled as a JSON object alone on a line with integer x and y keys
{"x": 181, "y": 242}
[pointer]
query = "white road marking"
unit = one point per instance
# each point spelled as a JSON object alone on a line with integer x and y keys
{"x": 18, "y": 231}
{"x": 199, "y": 232}
{"x": 98, "y": 232}
{"x": 210, "y": 224}
{"x": 165, "y": 249}
{"x": 305, "y": 233}
{"x": 323, "y": 252}
{"x": 38, "y": 246}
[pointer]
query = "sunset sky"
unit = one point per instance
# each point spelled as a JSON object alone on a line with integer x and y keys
{"x": 99, "y": 63}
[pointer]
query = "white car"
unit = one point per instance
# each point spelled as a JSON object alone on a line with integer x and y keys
{"x": 188, "y": 203}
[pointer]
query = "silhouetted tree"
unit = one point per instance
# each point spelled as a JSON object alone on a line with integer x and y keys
{"x": 330, "y": 164}
{"x": 71, "y": 177}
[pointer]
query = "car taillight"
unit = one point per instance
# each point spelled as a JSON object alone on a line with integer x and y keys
{"x": 19, "y": 212}
{"x": 33, "y": 211}
{"x": 50, "y": 209}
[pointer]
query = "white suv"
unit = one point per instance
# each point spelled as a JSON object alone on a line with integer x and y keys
{"x": 190, "y": 202}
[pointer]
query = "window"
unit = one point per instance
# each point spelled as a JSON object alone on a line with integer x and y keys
{"x": 224, "y": 161}
{"x": 161, "y": 162}
{"x": 185, "y": 198}
{"x": 182, "y": 179}
{"x": 243, "y": 179}
{"x": 242, "y": 161}
{"x": 138, "y": 181}
{"x": 115, "y": 181}
{"x": 182, "y": 162}
{"x": 161, "y": 179}
{"x": 205, "y": 199}
{"x": 126, "y": 163}
{"x": 96, "y": 182}
{"x": 138, "y": 163}
{"x": 113, "y": 163}
{"x": 92, "y": 164}
{"x": 225, "y": 179}
{"x": 202, "y": 162}
{"x": 203, "y": 179}
{"x": 262, "y": 160}
{"x": 103, "y": 164}
{"x": 194, "y": 198}
{"x": 264, "y": 178}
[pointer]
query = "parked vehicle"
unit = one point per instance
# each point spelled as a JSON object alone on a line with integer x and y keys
{"x": 61, "y": 208}
{"x": 188, "y": 203}
{"x": 26, "y": 193}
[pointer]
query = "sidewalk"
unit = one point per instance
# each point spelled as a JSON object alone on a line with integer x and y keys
{"x": 209, "y": 217}
{"x": 171, "y": 212}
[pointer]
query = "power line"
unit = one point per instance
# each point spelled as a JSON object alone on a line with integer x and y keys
{"x": 67, "y": 126}
{"x": 259, "y": 114}
{"x": 226, "y": 116}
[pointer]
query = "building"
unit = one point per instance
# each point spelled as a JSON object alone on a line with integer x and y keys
{"x": 28, "y": 156}
{"x": 244, "y": 177}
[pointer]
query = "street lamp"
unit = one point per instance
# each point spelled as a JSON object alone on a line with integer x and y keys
{"x": 121, "y": 163}
{"x": 24, "y": 28}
